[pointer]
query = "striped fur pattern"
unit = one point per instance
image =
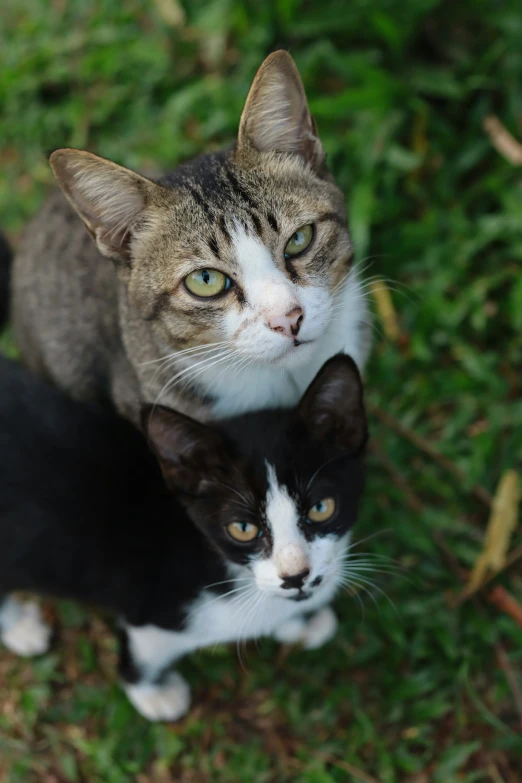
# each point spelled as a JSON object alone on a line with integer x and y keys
{"x": 232, "y": 211}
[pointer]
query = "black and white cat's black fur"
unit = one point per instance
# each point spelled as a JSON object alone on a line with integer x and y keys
{"x": 86, "y": 514}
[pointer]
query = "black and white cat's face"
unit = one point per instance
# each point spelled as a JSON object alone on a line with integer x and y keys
{"x": 275, "y": 492}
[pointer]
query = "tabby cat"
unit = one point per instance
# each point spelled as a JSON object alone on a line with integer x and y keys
{"x": 229, "y": 282}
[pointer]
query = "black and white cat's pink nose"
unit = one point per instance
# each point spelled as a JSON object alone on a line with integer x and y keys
{"x": 290, "y": 581}
{"x": 288, "y": 324}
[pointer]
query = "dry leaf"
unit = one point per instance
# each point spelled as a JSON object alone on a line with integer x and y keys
{"x": 386, "y": 309}
{"x": 503, "y": 141}
{"x": 171, "y": 11}
{"x": 502, "y": 522}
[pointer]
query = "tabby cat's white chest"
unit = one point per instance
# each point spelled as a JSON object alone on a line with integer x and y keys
{"x": 259, "y": 386}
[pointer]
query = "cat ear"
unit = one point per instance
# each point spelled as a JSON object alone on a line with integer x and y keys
{"x": 276, "y": 115}
{"x": 190, "y": 453}
{"x": 332, "y": 407}
{"x": 107, "y": 197}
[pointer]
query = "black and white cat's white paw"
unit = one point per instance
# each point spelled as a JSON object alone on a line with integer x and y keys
{"x": 168, "y": 700}
{"x": 320, "y": 628}
{"x": 315, "y": 632}
{"x": 22, "y": 627}
{"x": 291, "y": 632}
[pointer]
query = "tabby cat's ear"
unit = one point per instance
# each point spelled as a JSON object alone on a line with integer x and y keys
{"x": 332, "y": 408}
{"x": 276, "y": 115}
{"x": 108, "y": 198}
{"x": 191, "y": 455}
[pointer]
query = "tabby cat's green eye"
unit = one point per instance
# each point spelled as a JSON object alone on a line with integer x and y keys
{"x": 207, "y": 282}
{"x": 322, "y": 511}
{"x": 299, "y": 241}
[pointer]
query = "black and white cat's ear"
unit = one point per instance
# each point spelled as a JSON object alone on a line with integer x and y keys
{"x": 276, "y": 116}
{"x": 108, "y": 198}
{"x": 332, "y": 407}
{"x": 190, "y": 454}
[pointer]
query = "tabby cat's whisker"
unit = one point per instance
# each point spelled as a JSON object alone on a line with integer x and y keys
{"x": 186, "y": 351}
{"x": 190, "y": 377}
{"x": 207, "y": 362}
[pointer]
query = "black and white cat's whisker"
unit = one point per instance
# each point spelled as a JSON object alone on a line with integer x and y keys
{"x": 220, "y": 597}
{"x": 232, "y": 579}
{"x": 322, "y": 466}
{"x": 367, "y": 558}
{"x": 241, "y": 600}
{"x": 369, "y": 555}
{"x": 352, "y": 587}
{"x": 353, "y": 562}
{"x": 249, "y": 610}
{"x": 353, "y": 593}
{"x": 370, "y": 569}
{"x": 379, "y": 569}
{"x": 256, "y": 606}
{"x": 365, "y": 583}
{"x": 354, "y": 544}
{"x": 248, "y": 503}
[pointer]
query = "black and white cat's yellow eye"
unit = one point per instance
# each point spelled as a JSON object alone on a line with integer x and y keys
{"x": 207, "y": 282}
{"x": 322, "y": 511}
{"x": 243, "y": 531}
{"x": 299, "y": 241}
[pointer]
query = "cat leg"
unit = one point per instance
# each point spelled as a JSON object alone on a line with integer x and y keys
{"x": 320, "y": 628}
{"x": 292, "y": 631}
{"x": 311, "y": 633}
{"x": 22, "y": 628}
{"x": 146, "y": 653}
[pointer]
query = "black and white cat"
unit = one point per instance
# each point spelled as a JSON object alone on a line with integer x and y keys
{"x": 250, "y": 540}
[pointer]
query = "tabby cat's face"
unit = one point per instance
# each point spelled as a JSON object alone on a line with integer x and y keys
{"x": 242, "y": 249}
{"x": 275, "y": 492}
{"x": 254, "y": 263}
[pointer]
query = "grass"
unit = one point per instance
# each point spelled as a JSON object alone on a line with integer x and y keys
{"x": 413, "y": 692}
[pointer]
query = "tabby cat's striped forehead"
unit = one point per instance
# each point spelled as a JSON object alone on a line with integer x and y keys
{"x": 263, "y": 193}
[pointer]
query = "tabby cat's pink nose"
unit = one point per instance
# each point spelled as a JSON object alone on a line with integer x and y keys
{"x": 288, "y": 324}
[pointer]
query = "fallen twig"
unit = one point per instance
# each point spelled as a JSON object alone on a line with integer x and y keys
{"x": 511, "y": 677}
{"x": 480, "y": 492}
{"x": 494, "y": 774}
{"x": 502, "y": 600}
{"x": 412, "y": 500}
{"x": 357, "y": 773}
{"x": 498, "y": 596}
